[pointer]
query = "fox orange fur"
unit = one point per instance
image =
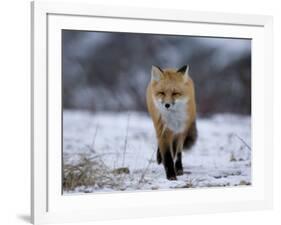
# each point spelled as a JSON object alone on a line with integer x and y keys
{"x": 171, "y": 104}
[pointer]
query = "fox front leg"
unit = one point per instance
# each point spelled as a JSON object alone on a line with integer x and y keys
{"x": 178, "y": 155}
{"x": 178, "y": 164}
{"x": 168, "y": 162}
{"x": 158, "y": 156}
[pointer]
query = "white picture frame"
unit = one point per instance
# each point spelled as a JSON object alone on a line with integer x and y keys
{"x": 48, "y": 205}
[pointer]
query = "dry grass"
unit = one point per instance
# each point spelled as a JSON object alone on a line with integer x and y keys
{"x": 89, "y": 172}
{"x": 141, "y": 180}
{"x": 241, "y": 139}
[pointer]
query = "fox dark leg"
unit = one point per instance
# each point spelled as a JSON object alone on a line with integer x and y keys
{"x": 178, "y": 146}
{"x": 168, "y": 162}
{"x": 169, "y": 166}
{"x": 158, "y": 156}
{"x": 178, "y": 164}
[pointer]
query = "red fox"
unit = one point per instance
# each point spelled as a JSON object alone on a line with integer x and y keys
{"x": 171, "y": 104}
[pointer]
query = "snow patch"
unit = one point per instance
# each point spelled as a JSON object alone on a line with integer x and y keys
{"x": 220, "y": 157}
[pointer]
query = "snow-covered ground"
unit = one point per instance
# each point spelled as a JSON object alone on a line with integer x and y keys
{"x": 117, "y": 152}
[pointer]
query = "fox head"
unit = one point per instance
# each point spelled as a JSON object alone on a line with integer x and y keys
{"x": 170, "y": 88}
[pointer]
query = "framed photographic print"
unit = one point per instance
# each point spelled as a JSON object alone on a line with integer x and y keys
{"x": 140, "y": 112}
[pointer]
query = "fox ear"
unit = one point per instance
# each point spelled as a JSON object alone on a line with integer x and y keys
{"x": 156, "y": 73}
{"x": 184, "y": 70}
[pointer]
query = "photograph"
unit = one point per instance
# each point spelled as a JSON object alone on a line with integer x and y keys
{"x": 151, "y": 112}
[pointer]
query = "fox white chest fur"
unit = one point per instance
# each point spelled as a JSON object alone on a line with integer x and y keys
{"x": 175, "y": 118}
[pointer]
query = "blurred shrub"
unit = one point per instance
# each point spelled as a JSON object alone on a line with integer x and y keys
{"x": 110, "y": 71}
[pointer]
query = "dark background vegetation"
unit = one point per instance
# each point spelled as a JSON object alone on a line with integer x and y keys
{"x": 110, "y": 71}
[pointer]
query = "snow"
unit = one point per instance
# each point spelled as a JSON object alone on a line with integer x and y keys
{"x": 221, "y": 156}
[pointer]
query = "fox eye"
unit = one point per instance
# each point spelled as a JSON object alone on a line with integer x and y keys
{"x": 176, "y": 94}
{"x": 161, "y": 93}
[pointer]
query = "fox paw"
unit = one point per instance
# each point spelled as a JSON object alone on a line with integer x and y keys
{"x": 179, "y": 172}
{"x": 172, "y": 178}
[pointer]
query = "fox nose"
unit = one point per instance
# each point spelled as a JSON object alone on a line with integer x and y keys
{"x": 167, "y": 105}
